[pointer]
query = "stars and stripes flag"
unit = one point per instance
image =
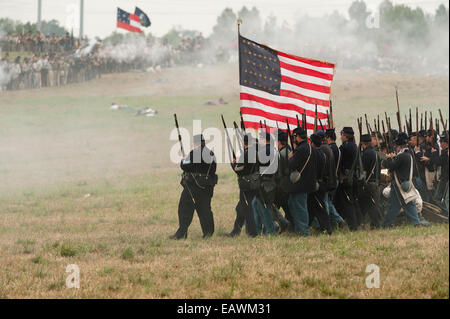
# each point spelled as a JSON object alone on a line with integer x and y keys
{"x": 128, "y": 21}
{"x": 276, "y": 86}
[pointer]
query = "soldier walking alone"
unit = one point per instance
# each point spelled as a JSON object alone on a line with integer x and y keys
{"x": 198, "y": 181}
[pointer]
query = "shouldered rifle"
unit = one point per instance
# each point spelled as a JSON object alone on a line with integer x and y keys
{"x": 385, "y": 136}
{"x": 184, "y": 156}
{"x": 398, "y": 111}
{"x": 321, "y": 126}
{"x": 377, "y": 130}
{"x": 331, "y": 115}
{"x": 179, "y": 136}
{"x": 298, "y": 121}
{"x": 432, "y": 129}
{"x": 315, "y": 119}
{"x": 228, "y": 138}
{"x": 391, "y": 141}
{"x": 289, "y": 134}
{"x": 410, "y": 121}
{"x": 239, "y": 137}
{"x": 444, "y": 125}
{"x": 242, "y": 122}
{"x": 417, "y": 126}
{"x": 328, "y": 119}
{"x": 425, "y": 121}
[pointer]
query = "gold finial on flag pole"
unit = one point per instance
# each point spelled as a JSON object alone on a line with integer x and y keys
{"x": 239, "y": 21}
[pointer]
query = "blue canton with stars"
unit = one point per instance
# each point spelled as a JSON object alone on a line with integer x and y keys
{"x": 259, "y": 66}
{"x": 123, "y": 16}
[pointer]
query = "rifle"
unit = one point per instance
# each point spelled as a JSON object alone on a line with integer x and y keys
{"x": 359, "y": 120}
{"x": 378, "y": 120}
{"x": 407, "y": 126}
{"x": 298, "y": 121}
{"x": 390, "y": 142}
{"x": 432, "y": 129}
{"x": 331, "y": 115}
{"x": 242, "y": 122}
{"x": 377, "y": 130}
{"x": 239, "y": 137}
{"x": 417, "y": 126}
{"x": 321, "y": 126}
{"x": 444, "y": 125}
{"x": 184, "y": 156}
{"x": 289, "y": 134}
{"x": 304, "y": 123}
{"x": 410, "y": 121}
{"x": 421, "y": 121}
{"x": 367, "y": 124}
{"x": 228, "y": 138}
{"x": 315, "y": 119}
{"x": 328, "y": 120}
{"x": 425, "y": 122}
{"x": 398, "y": 111}
{"x": 399, "y": 122}
{"x": 385, "y": 137}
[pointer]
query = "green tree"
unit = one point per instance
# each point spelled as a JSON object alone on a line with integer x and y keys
{"x": 251, "y": 22}
{"x": 224, "y": 32}
{"x": 441, "y": 17}
{"x": 358, "y": 12}
{"x": 52, "y": 26}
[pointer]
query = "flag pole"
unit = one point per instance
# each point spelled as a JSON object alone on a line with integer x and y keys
{"x": 239, "y": 21}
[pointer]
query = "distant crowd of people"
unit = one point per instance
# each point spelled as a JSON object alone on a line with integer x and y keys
{"x": 37, "y": 43}
{"x": 31, "y": 61}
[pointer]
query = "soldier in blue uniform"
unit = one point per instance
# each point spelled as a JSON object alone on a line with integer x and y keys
{"x": 369, "y": 195}
{"x": 247, "y": 171}
{"x": 282, "y": 194}
{"x": 345, "y": 195}
{"x": 198, "y": 181}
{"x": 262, "y": 203}
{"x": 316, "y": 200}
{"x": 330, "y": 139}
{"x": 401, "y": 167}
{"x": 441, "y": 195}
{"x": 303, "y": 180}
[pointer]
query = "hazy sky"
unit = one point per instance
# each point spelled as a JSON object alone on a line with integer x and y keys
{"x": 100, "y": 15}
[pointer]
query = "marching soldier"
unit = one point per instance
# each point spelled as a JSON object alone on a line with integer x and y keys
{"x": 198, "y": 181}
{"x": 441, "y": 195}
{"x": 303, "y": 180}
{"x": 345, "y": 196}
{"x": 282, "y": 195}
{"x": 263, "y": 201}
{"x": 247, "y": 171}
{"x": 330, "y": 138}
{"x": 402, "y": 168}
{"x": 428, "y": 150}
{"x": 316, "y": 200}
{"x": 369, "y": 197}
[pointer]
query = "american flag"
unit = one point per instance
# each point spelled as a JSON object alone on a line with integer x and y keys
{"x": 276, "y": 85}
{"x": 128, "y": 21}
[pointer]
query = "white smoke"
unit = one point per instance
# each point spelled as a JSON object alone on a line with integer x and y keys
{"x": 137, "y": 48}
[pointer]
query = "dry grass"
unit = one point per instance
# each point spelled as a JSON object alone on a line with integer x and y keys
{"x": 85, "y": 185}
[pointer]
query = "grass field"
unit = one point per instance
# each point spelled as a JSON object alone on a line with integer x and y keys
{"x": 82, "y": 184}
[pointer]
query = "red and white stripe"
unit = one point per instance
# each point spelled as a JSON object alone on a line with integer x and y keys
{"x": 134, "y": 25}
{"x": 304, "y": 83}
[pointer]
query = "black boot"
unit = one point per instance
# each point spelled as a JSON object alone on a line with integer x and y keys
{"x": 178, "y": 235}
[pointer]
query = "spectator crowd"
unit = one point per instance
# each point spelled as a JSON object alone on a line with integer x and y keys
{"x": 31, "y": 61}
